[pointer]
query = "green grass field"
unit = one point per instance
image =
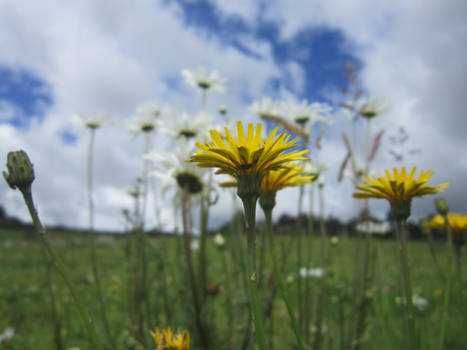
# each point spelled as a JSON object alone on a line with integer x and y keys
{"x": 25, "y": 298}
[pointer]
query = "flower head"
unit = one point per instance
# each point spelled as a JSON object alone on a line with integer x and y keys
{"x": 247, "y": 158}
{"x": 145, "y": 118}
{"x": 92, "y": 121}
{"x": 167, "y": 340}
{"x": 266, "y": 108}
{"x": 457, "y": 222}
{"x": 306, "y": 114}
{"x": 202, "y": 79}
{"x": 290, "y": 176}
{"x": 399, "y": 189}
{"x": 371, "y": 108}
{"x": 185, "y": 127}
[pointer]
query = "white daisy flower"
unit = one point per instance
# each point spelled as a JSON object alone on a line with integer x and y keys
{"x": 370, "y": 108}
{"x": 145, "y": 119}
{"x": 185, "y": 127}
{"x": 306, "y": 114}
{"x": 91, "y": 121}
{"x": 266, "y": 108}
{"x": 202, "y": 79}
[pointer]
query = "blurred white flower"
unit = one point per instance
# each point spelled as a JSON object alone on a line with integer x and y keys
{"x": 317, "y": 272}
{"x": 370, "y": 108}
{"x": 223, "y": 109}
{"x": 266, "y": 108}
{"x": 219, "y": 240}
{"x": 194, "y": 244}
{"x": 314, "y": 168}
{"x": 91, "y": 121}
{"x": 7, "y": 334}
{"x": 145, "y": 119}
{"x": 202, "y": 79}
{"x": 175, "y": 172}
{"x": 306, "y": 114}
{"x": 420, "y": 303}
{"x": 334, "y": 240}
{"x": 185, "y": 127}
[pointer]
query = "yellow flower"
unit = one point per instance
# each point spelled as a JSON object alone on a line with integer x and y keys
{"x": 293, "y": 175}
{"x": 167, "y": 340}
{"x": 457, "y": 222}
{"x": 247, "y": 158}
{"x": 399, "y": 188}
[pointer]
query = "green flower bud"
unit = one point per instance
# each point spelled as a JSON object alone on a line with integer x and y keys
{"x": 20, "y": 170}
{"x": 442, "y": 206}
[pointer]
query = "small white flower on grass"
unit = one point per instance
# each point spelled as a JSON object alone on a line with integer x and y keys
{"x": 334, "y": 240}
{"x": 203, "y": 79}
{"x": 194, "y": 245}
{"x": 303, "y": 272}
{"x": 418, "y": 302}
{"x": 7, "y": 334}
{"x": 219, "y": 240}
{"x": 317, "y": 272}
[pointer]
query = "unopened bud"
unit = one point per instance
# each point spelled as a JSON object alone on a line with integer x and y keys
{"x": 20, "y": 170}
{"x": 442, "y": 206}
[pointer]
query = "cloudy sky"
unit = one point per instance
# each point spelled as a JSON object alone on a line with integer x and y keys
{"x": 89, "y": 57}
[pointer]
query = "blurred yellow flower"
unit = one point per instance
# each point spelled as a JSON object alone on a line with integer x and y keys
{"x": 167, "y": 340}
{"x": 399, "y": 188}
{"x": 457, "y": 222}
{"x": 293, "y": 175}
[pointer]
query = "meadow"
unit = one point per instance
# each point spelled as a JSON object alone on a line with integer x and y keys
{"x": 25, "y": 298}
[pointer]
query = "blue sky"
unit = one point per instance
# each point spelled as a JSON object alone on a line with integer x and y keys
{"x": 92, "y": 57}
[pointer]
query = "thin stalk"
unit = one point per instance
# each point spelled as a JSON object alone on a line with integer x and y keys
{"x": 458, "y": 250}
{"x": 191, "y": 272}
{"x": 323, "y": 292}
{"x": 447, "y": 294}
{"x": 95, "y": 269}
{"x": 309, "y": 251}
{"x": 53, "y": 305}
{"x": 249, "y": 205}
{"x": 435, "y": 259}
{"x": 143, "y": 256}
{"x": 409, "y": 310}
{"x": 280, "y": 279}
{"x": 300, "y": 299}
{"x": 85, "y": 316}
{"x": 203, "y": 273}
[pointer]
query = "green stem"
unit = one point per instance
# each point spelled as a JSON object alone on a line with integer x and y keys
{"x": 85, "y": 316}
{"x": 280, "y": 278}
{"x": 95, "y": 270}
{"x": 191, "y": 271}
{"x": 249, "y": 204}
{"x": 409, "y": 309}
{"x": 300, "y": 300}
{"x": 309, "y": 250}
{"x": 447, "y": 293}
{"x": 202, "y": 247}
